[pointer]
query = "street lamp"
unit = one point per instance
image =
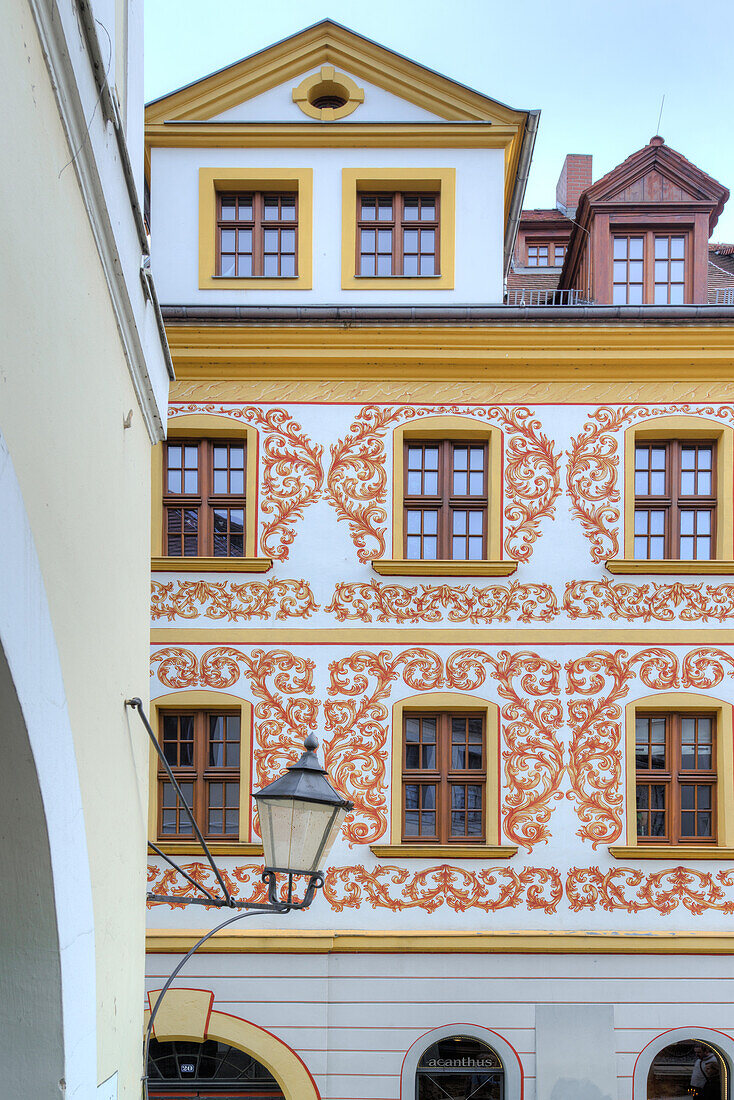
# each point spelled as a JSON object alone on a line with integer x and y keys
{"x": 301, "y": 816}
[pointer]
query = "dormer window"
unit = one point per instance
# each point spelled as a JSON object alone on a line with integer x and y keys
{"x": 257, "y": 234}
{"x": 545, "y": 254}
{"x": 398, "y": 234}
{"x": 649, "y": 268}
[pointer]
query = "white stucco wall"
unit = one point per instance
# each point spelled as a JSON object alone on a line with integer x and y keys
{"x": 353, "y": 1018}
{"x": 479, "y": 224}
{"x": 276, "y": 105}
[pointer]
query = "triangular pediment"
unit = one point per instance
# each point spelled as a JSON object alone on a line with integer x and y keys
{"x": 225, "y": 94}
{"x": 656, "y": 174}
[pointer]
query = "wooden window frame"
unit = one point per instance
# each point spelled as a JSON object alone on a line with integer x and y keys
{"x": 411, "y": 181}
{"x": 205, "y": 501}
{"x": 648, "y": 234}
{"x": 258, "y": 224}
{"x": 398, "y": 225}
{"x": 200, "y": 774}
{"x": 544, "y": 242}
{"x": 444, "y": 777}
{"x": 673, "y": 502}
{"x": 673, "y": 777}
{"x": 445, "y": 502}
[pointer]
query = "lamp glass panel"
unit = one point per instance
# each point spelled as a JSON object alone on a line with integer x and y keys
{"x": 298, "y": 835}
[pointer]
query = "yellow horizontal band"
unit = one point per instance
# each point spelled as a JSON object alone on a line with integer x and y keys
{"x": 349, "y": 135}
{"x": 445, "y": 851}
{"x": 670, "y": 851}
{"x": 670, "y": 566}
{"x": 399, "y": 567}
{"x": 211, "y": 565}
{"x": 178, "y": 941}
{"x": 222, "y": 848}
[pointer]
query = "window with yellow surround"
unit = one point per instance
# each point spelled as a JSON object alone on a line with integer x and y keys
{"x": 206, "y": 740}
{"x": 255, "y": 228}
{"x": 447, "y": 500}
{"x": 204, "y": 495}
{"x": 398, "y": 228}
{"x": 680, "y": 782}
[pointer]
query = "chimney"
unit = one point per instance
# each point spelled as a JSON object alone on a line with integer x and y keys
{"x": 575, "y": 177}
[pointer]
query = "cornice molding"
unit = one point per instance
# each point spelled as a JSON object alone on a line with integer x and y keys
{"x": 328, "y": 942}
{"x": 544, "y": 353}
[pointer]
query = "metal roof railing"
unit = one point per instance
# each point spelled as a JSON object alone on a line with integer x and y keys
{"x": 532, "y": 296}
{"x": 724, "y": 296}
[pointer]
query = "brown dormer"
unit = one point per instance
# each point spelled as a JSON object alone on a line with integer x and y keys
{"x": 641, "y": 232}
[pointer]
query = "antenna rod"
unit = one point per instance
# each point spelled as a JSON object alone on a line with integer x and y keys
{"x": 662, "y": 104}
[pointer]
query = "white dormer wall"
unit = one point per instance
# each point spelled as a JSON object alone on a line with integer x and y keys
{"x": 479, "y": 209}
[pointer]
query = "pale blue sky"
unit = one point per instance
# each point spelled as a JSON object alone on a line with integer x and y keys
{"x": 597, "y": 69}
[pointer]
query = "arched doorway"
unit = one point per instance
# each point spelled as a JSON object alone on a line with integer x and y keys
{"x": 180, "y": 1068}
{"x": 459, "y": 1067}
{"x": 690, "y": 1069}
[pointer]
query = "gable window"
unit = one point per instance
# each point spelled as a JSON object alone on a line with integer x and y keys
{"x": 675, "y": 500}
{"x": 257, "y": 234}
{"x": 675, "y": 764}
{"x": 649, "y": 268}
{"x": 537, "y": 255}
{"x": 445, "y": 500}
{"x": 203, "y": 751}
{"x": 545, "y": 254}
{"x": 204, "y": 498}
{"x": 398, "y": 234}
{"x": 444, "y": 777}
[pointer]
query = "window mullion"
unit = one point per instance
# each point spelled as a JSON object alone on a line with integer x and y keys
{"x": 675, "y": 779}
{"x": 443, "y": 830}
{"x": 397, "y": 240}
{"x": 257, "y": 234}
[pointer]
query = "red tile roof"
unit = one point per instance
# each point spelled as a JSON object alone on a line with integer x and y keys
{"x": 721, "y": 249}
{"x": 545, "y": 280}
{"x": 542, "y": 216}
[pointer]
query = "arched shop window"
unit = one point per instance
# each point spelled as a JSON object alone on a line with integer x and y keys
{"x": 185, "y": 1069}
{"x": 690, "y": 1070}
{"x": 459, "y": 1067}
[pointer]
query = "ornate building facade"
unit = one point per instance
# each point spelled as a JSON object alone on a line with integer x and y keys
{"x": 486, "y": 552}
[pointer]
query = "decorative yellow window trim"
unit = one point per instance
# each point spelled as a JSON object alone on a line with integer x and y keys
{"x": 207, "y": 426}
{"x": 205, "y": 700}
{"x": 492, "y": 847}
{"x": 213, "y": 180}
{"x": 681, "y": 427}
{"x": 442, "y": 180}
{"x": 683, "y": 701}
{"x": 448, "y": 427}
{"x": 188, "y": 1014}
{"x": 327, "y": 82}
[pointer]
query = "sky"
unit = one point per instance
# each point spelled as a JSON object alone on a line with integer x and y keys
{"x": 597, "y": 69}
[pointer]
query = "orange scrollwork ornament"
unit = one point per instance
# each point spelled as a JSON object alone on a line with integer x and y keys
{"x": 356, "y": 483}
{"x": 390, "y": 887}
{"x": 632, "y": 891}
{"x": 355, "y": 755}
{"x": 370, "y": 601}
{"x": 281, "y": 682}
{"x": 595, "y": 764}
{"x": 533, "y": 759}
{"x": 224, "y": 600}
{"x": 649, "y": 602}
{"x": 292, "y": 471}
{"x": 593, "y": 465}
